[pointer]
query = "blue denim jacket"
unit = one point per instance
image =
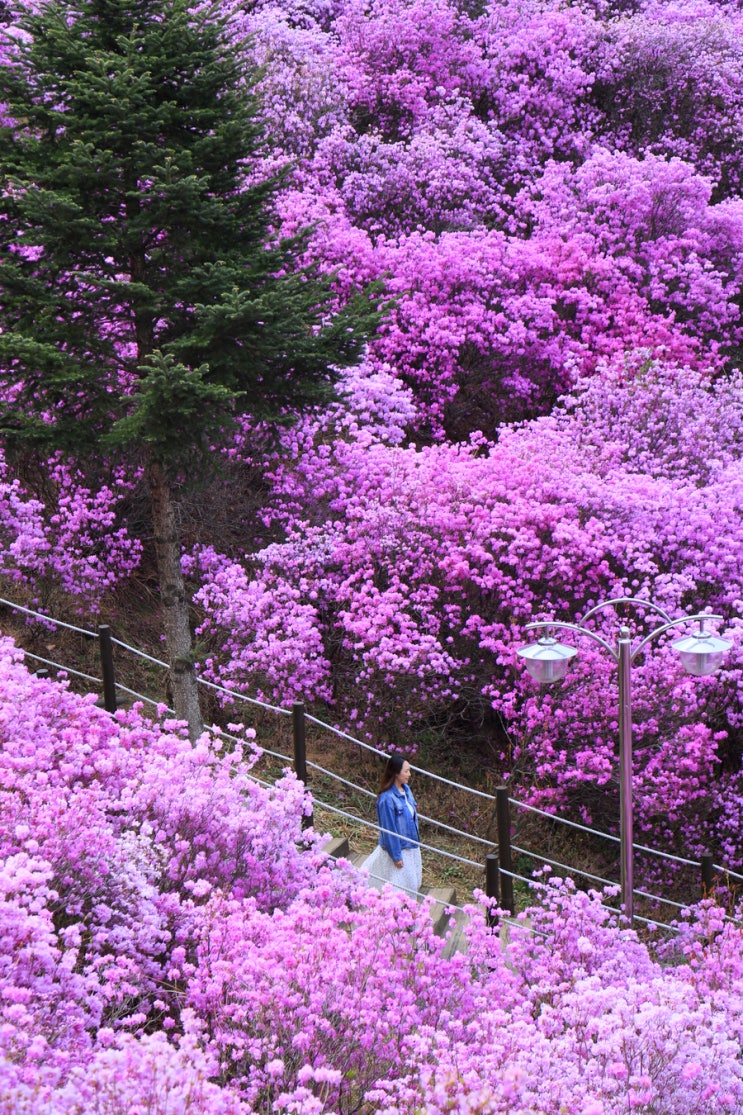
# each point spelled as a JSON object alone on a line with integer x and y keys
{"x": 394, "y": 815}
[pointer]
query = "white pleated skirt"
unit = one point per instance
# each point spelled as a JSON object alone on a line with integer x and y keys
{"x": 381, "y": 870}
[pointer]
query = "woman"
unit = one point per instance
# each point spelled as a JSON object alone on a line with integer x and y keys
{"x": 397, "y": 857}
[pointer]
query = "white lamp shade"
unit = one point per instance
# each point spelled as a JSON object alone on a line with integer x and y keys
{"x": 701, "y": 654}
{"x": 547, "y": 660}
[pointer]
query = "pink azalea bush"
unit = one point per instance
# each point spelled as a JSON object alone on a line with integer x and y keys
{"x": 537, "y": 186}
{"x": 553, "y": 214}
{"x": 417, "y": 570}
{"x": 668, "y": 80}
{"x": 168, "y": 947}
{"x": 73, "y": 539}
{"x": 549, "y": 415}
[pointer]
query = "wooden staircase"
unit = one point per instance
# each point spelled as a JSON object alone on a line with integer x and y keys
{"x": 443, "y": 897}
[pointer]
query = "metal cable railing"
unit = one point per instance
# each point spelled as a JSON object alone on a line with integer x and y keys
{"x": 62, "y": 669}
{"x": 374, "y": 825}
{"x": 48, "y": 619}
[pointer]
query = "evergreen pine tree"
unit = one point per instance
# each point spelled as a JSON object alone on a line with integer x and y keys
{"x": 144, "y": 301}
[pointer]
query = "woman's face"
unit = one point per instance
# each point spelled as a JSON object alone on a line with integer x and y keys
{"x": 404, "y": 776}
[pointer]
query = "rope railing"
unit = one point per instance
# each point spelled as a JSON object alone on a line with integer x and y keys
{"x": 519, "y": 878}
{"x": 273, "y": 754}
{"x": 561, "y": 820}
{"x": 278, "y": 710}
{"x": 383, "y": 755}
{"x": 141, "y": 697}
{"x": 657, "y": 898}
{"x": 243, "y": 697}
{"x": 565, "y": 867}
{"x": 343, "y": 781}
{"x": 666, "y": 855}
{"x": 48, "y": 619}
{"x": 422, "y": 816}
{"x": 727, "y": 871}
{"x": 658, "y": 924}
{"x": 62, "y": 669}
{"x": 606, "y": 835}
{"x": 140, "y": 653}
{"x": 373, "y": 825}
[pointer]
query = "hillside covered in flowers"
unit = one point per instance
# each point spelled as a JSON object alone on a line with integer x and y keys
{"x": 172, "y": 944}
{"x": 548, "y": 414}
{"x": 544, "y": 200}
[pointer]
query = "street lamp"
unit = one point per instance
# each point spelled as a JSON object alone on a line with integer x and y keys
{"x": 548, "y": 661}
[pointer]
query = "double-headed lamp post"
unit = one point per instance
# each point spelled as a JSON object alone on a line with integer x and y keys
{"x": 547, "y": 661}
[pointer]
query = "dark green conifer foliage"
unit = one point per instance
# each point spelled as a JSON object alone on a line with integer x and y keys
{"x": 144, "y": 300}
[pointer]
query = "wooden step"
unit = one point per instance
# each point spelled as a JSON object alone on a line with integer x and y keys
{"x": 443, "y": 897}
{"x": 336, "y": 847}
{"x": 457, "y": 941}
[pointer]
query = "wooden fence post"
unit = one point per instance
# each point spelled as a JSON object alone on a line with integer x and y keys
{"x": 107, "y": 667}
{"x": 300, "y": 744}
{"x": 300, "y": 750}
{"x": 503, "y": 822}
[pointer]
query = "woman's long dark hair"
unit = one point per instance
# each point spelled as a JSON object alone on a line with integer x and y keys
{"x": 394, "y": 766}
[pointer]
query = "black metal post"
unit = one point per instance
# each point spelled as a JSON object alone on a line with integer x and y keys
{"x": 492, "y": 884}
{"x": 300, "y": 745}
{"x": 300, "y": 750}
{"x": 708, "y": 875}
{"x": 107, "y": 667}
{"x": 503, "y": 822}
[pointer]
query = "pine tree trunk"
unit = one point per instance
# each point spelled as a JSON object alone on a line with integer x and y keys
{"x": 173, "y": 599}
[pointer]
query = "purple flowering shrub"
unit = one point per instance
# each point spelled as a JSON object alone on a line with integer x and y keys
{"x": 668, "y": 80}
{"x": 71, "y": 538}
{"x": 408, "y": 574}
{"x": 168, "y": 948}
{"x": 549, "y": 194}
{"x": 539, "y": 187}
{"x": 121, "y": 828}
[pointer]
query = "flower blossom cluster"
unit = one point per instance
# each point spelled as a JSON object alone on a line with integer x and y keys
{"x": 74, "y": 539}
{"x": 536, "y": 186}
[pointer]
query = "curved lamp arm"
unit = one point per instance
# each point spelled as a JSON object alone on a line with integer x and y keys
{"x": 667, "y": 627}
{"x": 627, "y": 600}
{"x": 577, "y": 630}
